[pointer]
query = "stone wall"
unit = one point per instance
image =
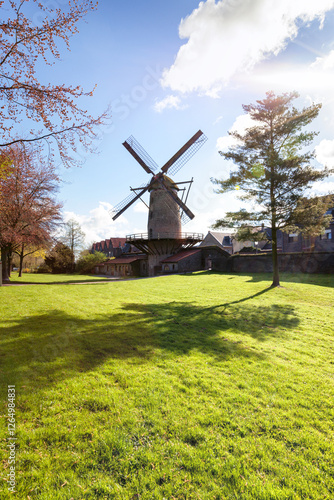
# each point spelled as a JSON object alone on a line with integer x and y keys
{"x": 190, "y": 263}
{"x": 303, "y": 262}
{"x": 215, "y": 258}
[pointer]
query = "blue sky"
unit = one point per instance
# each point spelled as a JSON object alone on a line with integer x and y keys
{"x": 170, "y": 68}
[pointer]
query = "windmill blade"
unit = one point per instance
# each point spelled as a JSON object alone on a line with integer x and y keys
{"x": 142, "y": 157}
{"x": 177, "y": 200}
{"x": 185, "y": 153}
{"x": 170, "y": 202}
{"x": 127, "y": 202}
{"x": 185, "y": 219}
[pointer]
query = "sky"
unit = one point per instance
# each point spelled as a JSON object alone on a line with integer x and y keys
{"x": 168, "y": 69}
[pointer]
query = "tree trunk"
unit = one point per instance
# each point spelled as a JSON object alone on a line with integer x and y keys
{"x": 21, "y": 264}
{"x": 9, "y": 257}
{"x": 273, "y": 206}
{"x": 4, "y": 259}
{"x": 275, "y": 258}
{"x": 21, "y": 256}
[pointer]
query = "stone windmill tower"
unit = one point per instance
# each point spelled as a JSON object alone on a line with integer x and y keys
{"x": 167, "y": 211}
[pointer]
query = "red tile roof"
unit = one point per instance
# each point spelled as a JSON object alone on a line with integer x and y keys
{"x": 181, "y": 255}
{"x": 115, "y": 242}
{"x": 123, "y": 260}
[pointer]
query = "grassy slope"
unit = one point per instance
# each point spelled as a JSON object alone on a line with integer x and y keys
{"x": 189, "y": 387}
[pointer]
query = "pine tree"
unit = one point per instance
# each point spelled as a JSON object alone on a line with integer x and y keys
{"x": 274, "y": 172}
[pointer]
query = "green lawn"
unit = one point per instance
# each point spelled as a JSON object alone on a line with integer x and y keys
{"x": 205, "y": 386}
{"x": 53, "y": 278}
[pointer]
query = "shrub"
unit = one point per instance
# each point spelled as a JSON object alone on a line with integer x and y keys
{"x": 249, "y": 249}
{"x": 86, "y": 263}
{"x": 43, "y": 268}
{"x": 60, "y": 259}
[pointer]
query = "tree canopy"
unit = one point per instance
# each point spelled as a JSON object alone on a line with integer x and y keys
{"x": 52, "y": 111}
{"x": 29, "y": 212}
{"x": 60, "y": 259}
{"x": 88, "y": 261}
{"x": 73, "y": 237}
{"x": 274, "y": 172}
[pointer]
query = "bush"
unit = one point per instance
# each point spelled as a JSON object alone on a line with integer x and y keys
{"x": 43, "y": 268}
{"x": 249, "y": 249}
{"x": 86, "y": 263}
{"x": 60, "y": 259}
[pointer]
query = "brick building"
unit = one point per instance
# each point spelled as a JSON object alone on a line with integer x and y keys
{"x": 296, "y": 242}
{"x": 127, "y": 265}
{"x": 113, "y": 247}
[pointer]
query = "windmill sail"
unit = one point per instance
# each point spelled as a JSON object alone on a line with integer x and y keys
{"x": 170, "y": 203}
{"x": 185, "y": 153}
{"x": 174, "y": 164}
{"x": 142, "y": 157}
{"x": 128, "y": 201}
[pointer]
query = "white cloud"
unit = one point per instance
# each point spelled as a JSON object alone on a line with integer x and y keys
{"x": 140, "y": 208}
{"x": 211, "y": 208}
{"x": 325, "y": 62}
{"x": 242, "y": 122}
{"x": 325, "y": 153}
{"x": 316, "y": 79}
{"x": 169, "y": 102}
{"x": 98, "y": 225}
{"x": 322, "y": 188}
{"x": 228, "y": 37}
{"x": 219, "y": 119}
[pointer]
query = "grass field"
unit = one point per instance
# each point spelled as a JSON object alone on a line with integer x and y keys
{"x": 205, "y": 386}
{"x": 52, "y": 279}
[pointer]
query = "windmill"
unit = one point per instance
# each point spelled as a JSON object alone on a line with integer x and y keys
{"x": 167, "y": 210}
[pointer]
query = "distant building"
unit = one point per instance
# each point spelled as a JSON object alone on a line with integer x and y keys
{"x": 113, "y": 247}
{"x": 200, "y": 258}
{"x": 183, "y": 261}
{"x": 222, "y": 240}
{"x": 296, "y": 242}
{"x": 227, "y": 241}
{"x": 127, "y": 265}
{"x": 212, "y": 253}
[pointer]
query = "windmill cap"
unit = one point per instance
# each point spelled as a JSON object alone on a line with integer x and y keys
{"x": 168, "y": 182}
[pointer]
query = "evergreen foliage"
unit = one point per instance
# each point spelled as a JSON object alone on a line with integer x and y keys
{"x": 60, "y": 259}
{"x": 275, "y": 172}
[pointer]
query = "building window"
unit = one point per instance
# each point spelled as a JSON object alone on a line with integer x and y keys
{"x": 327, "y": 235}
{"x": 293, "y": 238}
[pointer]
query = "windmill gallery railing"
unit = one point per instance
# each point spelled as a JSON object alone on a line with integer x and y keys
{"x": 131, "y": 238}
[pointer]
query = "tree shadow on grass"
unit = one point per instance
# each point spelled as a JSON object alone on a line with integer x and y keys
{"x": 326, "y": 280}
{"x": 55, "y": 345}
{"x": 319, "y": 279}
{"x": 69, "y": 282}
